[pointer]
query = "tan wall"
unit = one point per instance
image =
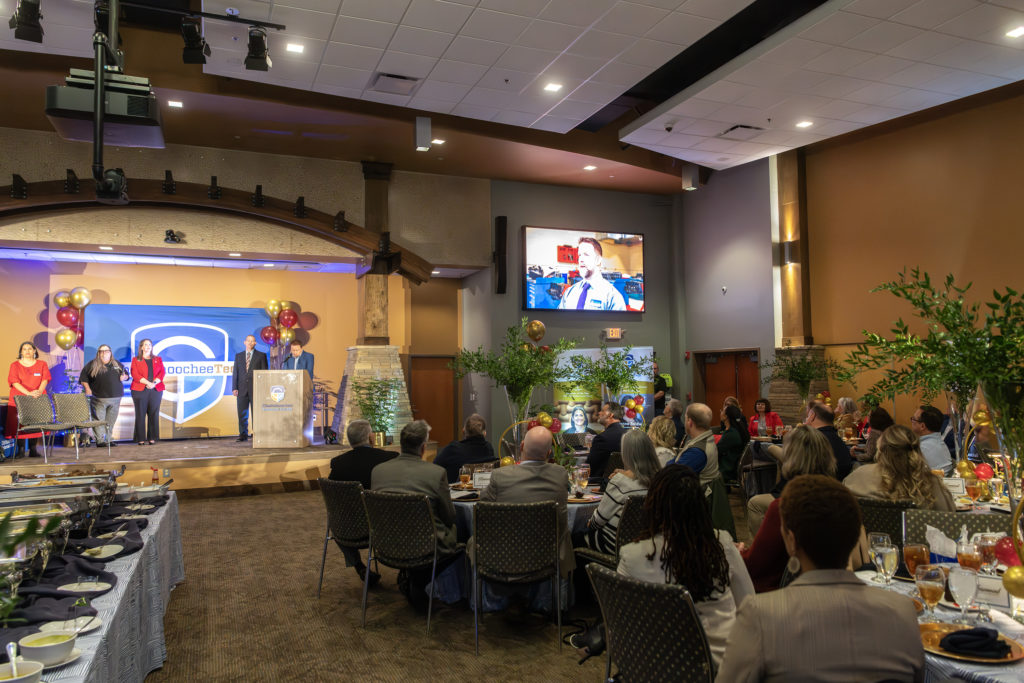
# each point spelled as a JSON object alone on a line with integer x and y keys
{"x": 435, "y": 318}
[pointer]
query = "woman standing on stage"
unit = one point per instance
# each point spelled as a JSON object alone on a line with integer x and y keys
{"x": 147, "y": 390}
{"x": 103, "y": 380}
{"x": 28, "y": 376}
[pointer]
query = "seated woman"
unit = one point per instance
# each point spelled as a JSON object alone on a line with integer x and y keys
{"x": 681, "y": 546}
{"x": 827, "y": 625}
{"x": 846, "y": 415}
{"x": 900, "y": 472}
{"x": 763, "y": 422}
{"x": 641, "y": 463}
{"x": 805, "y": 451}
{"x": 878, "y": 421}
{"x": 730, "y": 446}
{"x": 663, "y": 435}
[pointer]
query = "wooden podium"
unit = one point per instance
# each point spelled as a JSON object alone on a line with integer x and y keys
{"x": 282, "y": 409}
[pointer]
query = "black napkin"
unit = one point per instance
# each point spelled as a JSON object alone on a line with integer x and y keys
{"x": 13, "y": 635}
{"x": 105, "y": 523}
{"x": 131, "y": 542}
{"x": 976, "y": 642}
{"x": 37, "y": 609}
{"x": 72, "y": 568}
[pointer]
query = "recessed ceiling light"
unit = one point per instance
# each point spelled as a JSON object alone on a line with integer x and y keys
{"x": 294, "y": 47}
{"x": 590, "y": 167}
{"x": 553, "y": 87}
{"x": 437, "y": 141}
{"x": 422, "y": 149}
{"x": 1016, "y": 33}
{"x": 107, "y": 248}
{"x": 175, "y": 103}
{"x": 268, "y": 265}
{"x": 435, "y": 272}
{"x": 234, "y": 253}
{"x": 805, "y": 124}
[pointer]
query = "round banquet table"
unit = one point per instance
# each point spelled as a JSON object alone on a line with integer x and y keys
{"x": 579, "y": 514}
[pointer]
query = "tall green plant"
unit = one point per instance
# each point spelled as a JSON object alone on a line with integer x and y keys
{"x": 378, "y": 401}
{"x": 800, "y": 369}
{"x": 613, "y": 372}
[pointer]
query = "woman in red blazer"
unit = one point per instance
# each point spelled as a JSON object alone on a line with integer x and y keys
{"x": 147, "y": 390}
{"x": 763, "y": 422}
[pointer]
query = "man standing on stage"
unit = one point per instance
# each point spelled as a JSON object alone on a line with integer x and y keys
{"x": 246, "y": 362}
{"x": 593, "y": 292}
{"x": 299, "y": 360}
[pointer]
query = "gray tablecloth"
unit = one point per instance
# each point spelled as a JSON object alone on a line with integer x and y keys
{"x": 130, "y": 643}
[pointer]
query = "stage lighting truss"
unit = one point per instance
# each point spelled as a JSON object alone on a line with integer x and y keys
{"x": 25, "y": 21}
{"x": 258, "y": 58}
{"x": 196, "y": 49}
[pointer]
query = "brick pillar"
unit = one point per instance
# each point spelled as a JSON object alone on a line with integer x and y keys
{"x": 784, "y": 396}
{"x": 373, "y": 289}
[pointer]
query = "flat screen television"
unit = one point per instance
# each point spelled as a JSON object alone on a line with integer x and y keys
{"x": 582, "y": 270}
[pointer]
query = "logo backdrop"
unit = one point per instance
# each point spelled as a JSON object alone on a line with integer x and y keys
{"x": 565, "y": 401}
{"x": 198, "y": 346}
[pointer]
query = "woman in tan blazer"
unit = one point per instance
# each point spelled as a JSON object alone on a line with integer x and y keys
{"x": 901, "y": 473}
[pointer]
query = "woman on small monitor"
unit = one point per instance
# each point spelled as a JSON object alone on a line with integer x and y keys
{"x": 578, "y": 421}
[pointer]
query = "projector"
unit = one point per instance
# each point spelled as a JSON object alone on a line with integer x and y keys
{"x": 132, "y": 114}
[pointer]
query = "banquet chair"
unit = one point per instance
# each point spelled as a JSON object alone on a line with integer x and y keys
{"x": 346, "y": 518}
{"x": 719, "y": 506}
{"x": 630, "y": 525}
{"x": 950, "y": 523}
{"x": 515, "y": 543}
{"x": 35, "y": 414}
{"x": 884, "y": 516}
{"x": 402, "y": 535}
{"x": 73, "y": 410}
{"x": 652, "y": 630}
{"x": 756, "y": 477}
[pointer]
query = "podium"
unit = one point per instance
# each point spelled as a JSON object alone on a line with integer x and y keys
{"x": 282, "y": 409}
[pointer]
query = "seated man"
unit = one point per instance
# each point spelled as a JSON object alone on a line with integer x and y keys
{"x": 674, "y": 410}
{"x": 473, "y": 449}
{"x": 607, "y": 442}
{"x": 927, "y": 424}
{"x": 700, "y": 453}
{"x": 821, "y": 417}
{"x": 356, "y": 465}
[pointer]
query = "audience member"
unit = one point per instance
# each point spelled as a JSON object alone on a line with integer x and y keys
{"x": 846, "y": 415}
{"x": 878, "y": 421}
{"x": 607, "y": 442}
{"x": 663, "y": 435}
{"x": 871, "y": 634}
{"x": 901, "y": 473}
{"x": 927, "y": 424}
{"x": 734, "y": 439}
{"x": 764, "y": 421}
{"x": 641, "y": 464}
{"x": 821, "y": 417}
{"x": 474, "y": 449}
{"x": 699, "y": 452}
{"x": 660, "y": 389}
{"x": 674, "y": 411}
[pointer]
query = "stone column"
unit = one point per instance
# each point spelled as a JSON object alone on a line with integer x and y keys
{"x": 784, "y": 396}
{"x": 373, "y": 289}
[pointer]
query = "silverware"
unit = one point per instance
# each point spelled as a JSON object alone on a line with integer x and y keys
{"x": 12, "y": 655}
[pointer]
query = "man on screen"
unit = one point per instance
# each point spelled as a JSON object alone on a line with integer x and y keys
{"x": 593, "y": 292}
{"x": 246, "y": 363}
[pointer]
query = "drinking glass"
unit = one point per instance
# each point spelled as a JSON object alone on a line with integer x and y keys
{"x": 888, "y": 560}
{"x": 986, "y": 544}
{"x": 996, "y": 485}
{"x": 968, "y": 556}
{"x": 584, "y": 477}
{"x": 778, "y": 430}
{"x": 963, "y": 585}
{"x": 876, "y": 541}
{"x": 465, "y": 476}
{"x": 973, "y": 487}
{"x": 931, "y": 584}
{"x": 913, "y": 555}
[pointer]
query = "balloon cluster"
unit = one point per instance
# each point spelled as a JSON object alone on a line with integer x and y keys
{"x": 283, "y": 319}
{"x": 634, "y": 406}
{"x": 71, "y": 314}
{"x": 535, "y": 330}
{"x": 546, "y": 421}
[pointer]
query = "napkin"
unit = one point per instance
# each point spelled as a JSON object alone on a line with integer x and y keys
{"x": 976, "y": 642}
{"x": 105, "y": 523}
{"x": 65, "y": 570}
{"x": 36, "y": 609}
{"x": 13, "y": 635}
{"x": 939, "y": 543}
{"x": 131, "y": 542}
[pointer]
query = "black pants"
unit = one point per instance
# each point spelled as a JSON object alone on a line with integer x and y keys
{"x": 147, "y": 414}
{"x": 244, "y": 411}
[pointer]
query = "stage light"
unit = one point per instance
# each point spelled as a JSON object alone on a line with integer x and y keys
{"x": 553, "y": 87}
{"x": 25, "y": 21}
{"x": 423, "y": 136}
{"x": 295, "y": 47}
{"x": 196, "y": 50}
{"x": 258, "y": 58}
{"x": 113, "y": 188}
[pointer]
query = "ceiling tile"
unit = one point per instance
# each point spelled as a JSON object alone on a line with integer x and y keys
{"x": 489, "y": 97}
{"x": 838, "y": 60}
{"x": 661, "y": 4}
{"x": 548, "y": 35}
{"x": 474, "y": 112}
{"x": 838, "y": 109}
{"x": 386, "y": 98}
{"x": 572, "y": 66}
{"x": 352, "y": 56}
{"x": 924, "y": 46}
{"x": 981, "y": 21}
{"x": 980, "y": 57}
{"x": 696, "y": 107}
{"x": 715, "y": 145}
{"x": 534, "y": 105}
{"x": 362, "y": 32}
{"x": 572, "y": 109}
{"x": 761, "y": 73}
{"x": 496, "y": 78}
{"x": 390, "y": 11}
{"x": 884, "y": 36}
{"x": 649, "y": 53}
{"x": 599, "y": 93}
{"x": 703, "y": 128}
{"x": 326, "y": 6}
{"x": 524, "y": 8}
{"x": 838, "y": 28}
{"x": 650, "y": 136}
{"x": 339, "y": 76}
{"x": 872, "y": 115}
{"x": 774, "y": 137}
{"x": 880, "y": 9}
{"x": 713, "y": 9}
{"x": 621, "y": 74}
{"x": 803, "y": 81}
{"x": 441, "y": 91}
{"x": 420, "y": 41}
{"x": 555, "y": 124}
{"x": 576, "y": 13}
{"x": 930, "y": 13}
{"x": 457, "y": 72}
{"x": 600, "y": 45}
{"x": 499, "y": 26}
{"x": 878, "y": 68}
{"x": 435, "y": 15}
{"x": 681, "y": 141}
{"x": 832, "y": 128}
{"x": 515, "y": 118}
{"x": 405, "y": 64}
{"x": 916, "y": 100}
{"x": 427, "y": 104}
{"x": 876, "y": 93}
{"x": 682, "y": 29}
{"x": 796, "y": 52}
{"x": 725, "y": 91}
{"x": 521, "y": 58}
{"x": 474, "y": 51}
{"x": 839, "y": 86}
{"x": 762, "y": 98}
{"x": 798, "y": 106}
{"x": 631, "y": 19}
{"x": 302, "y": 22}
{"x": 917, "y": 75}
{"x": 277, "y": 44}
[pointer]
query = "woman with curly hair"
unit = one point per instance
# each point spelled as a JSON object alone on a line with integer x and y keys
{"x": 900, "y": 472}
{"x": 663, "y": 435}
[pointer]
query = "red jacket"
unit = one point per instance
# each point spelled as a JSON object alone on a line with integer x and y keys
{"x": 767, "y": 556}
{"x": 773, "y": 420}
{"x": 140, "y": 371}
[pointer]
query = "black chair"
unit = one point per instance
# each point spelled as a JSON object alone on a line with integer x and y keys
{"x": 756, "y": 476}
{"x": 719, "y": 507}
{"x": 630, "y": 525}
{"x": 652, "y": 630}
{"x": 884, "y": 516}
{"x": 950, "y": 523}
{"x": 35, "y": 414}
{"x": 346, "y": 518}
{"x": 402, "y": 536}
{"x": 515, "y": 543}
{"x": 73, "y": 410}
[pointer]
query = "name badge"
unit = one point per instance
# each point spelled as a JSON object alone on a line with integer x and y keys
{"x": 955, "y": 485}
{"x": 37, "y": 374}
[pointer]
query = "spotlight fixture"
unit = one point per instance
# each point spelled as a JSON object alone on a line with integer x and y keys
{"x": 196, "y": 50}
{"x": 258, "y": 58}
{"x": 171, "y": 237}
{"x": 423, "y": 136}
{"x": 791, "y": 253}
{"x": 297, "y": 48}
{"x": 112, "y": 187}
{"x": 25, "y": 21}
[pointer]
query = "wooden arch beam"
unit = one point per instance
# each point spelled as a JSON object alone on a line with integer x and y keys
{"x": 55, "y": 194}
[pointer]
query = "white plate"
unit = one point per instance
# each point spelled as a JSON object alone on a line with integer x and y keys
{"x": 124, "y": 517}
{"x": 974, "y": 609}
{"x": 75, "y": 654}
{"x": 112, "y": 534}
{"x": 139, "y": 506}
{"x": 103, "y": 552}
{"x": 85, "y": 587}
{"x": 81, "y": 624}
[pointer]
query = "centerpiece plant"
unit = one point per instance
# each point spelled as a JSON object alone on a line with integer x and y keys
{"x": 378, "y": 401}
{"x": 801, "y": 369}
{"x": 611, "y": 373}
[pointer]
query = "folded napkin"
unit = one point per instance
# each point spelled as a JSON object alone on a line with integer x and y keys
{"x": 976, "y": 642}
{"x": 37, "y": 609}
{"x": 131, "y": 542}
{"x": 73, "y": 567}
{"x": 109, "y": 523}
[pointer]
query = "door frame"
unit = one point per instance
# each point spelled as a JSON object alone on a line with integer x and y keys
{"x": 699, "y": 385}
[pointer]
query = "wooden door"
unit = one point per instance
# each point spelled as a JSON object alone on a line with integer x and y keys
{"x": 748, "y": 380}
{"x": 731, "y": 373}
{"x": 432, "y": 392}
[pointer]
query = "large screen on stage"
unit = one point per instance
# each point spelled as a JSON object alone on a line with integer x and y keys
{"x": 583, "y": 270}
{"x": 197, "y": 345}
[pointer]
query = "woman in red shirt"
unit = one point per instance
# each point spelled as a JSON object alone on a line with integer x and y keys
{"x": 763, "y": 422}
{"x": 147, "y": 391}
{"x": 28, "y": 376}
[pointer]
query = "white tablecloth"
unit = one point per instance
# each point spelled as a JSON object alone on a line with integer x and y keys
{"x": 130, "y": 643}
{"x": 579, "y": 514}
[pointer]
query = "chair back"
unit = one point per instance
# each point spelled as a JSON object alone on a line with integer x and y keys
{"x": 346, "y": 515}
{"x": 516, "y": 542}
{"x": 34, "y": 410}
{"x": 950, "y": 523}
{"x": 631, "y": 521}
{"x": 401, "y": 527}
{"x": 652, "y": 630}
{"x": 614, "y": 463}
{"x": 719, "y": 507}
{"x": 72, "y": 408}
{"x": 884, "y": 516}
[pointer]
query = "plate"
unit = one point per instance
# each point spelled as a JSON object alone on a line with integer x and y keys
{"x": 460, "y": 487}
{"x": 81, "y": 624}
{"x": 103, "y": 552}
{"x": 586, "y": 499}
{"x": 974, "y": 609}
{"x": 75, "y": 654}
{"x": 123, "y": 517}
{"x": 113, "y": 534}
{"x": 139, "y": 507}
{"x": 85, "y": 587}
{"x": 932, "y": 634}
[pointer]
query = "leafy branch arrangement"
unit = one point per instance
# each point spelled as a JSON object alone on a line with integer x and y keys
{"x": 801, "y": 370}
{"x": 615, "y": 371}
{"x": 378, "y": 401}
{"x": 11, "y": 538}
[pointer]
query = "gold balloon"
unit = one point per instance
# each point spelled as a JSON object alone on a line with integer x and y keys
{"x": 630, "y": 403}
{"x": 535, "y": 330}
{"x": 62, "y": 299}
{"x": 965, "y": 468}
{"x": 545, "y": 420}
{"x": 273, "y": 308}
{"x": 80, "y": 297}
{"x": 1013, "y": 581}
{"x": 287, "y": 335}
{"x": 287, "y": 305}
{"x": 507, "y": 460}
{"x": 65, "y": 338}
{"x": 982, "y": 419}
{"x": 527, "y": 346}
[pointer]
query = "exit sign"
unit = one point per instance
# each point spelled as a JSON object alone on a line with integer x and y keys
{"x": 613, "y": 333}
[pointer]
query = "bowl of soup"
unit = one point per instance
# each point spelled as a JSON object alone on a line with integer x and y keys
{"x": 28, "y": 672}
{"x": 51, "y": 647}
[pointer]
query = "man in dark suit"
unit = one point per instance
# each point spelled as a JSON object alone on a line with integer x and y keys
{"x": 357, "y": 465}
{"x": 473, "y": 449}
{"x": 608, "y": 441}
{"x": 299, "y": 360}
{"x": 821, "y": 417}
{"x": 246, "y": 362}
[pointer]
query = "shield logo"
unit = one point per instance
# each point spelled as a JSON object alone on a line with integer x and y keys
{"x": 277, "y": 393}
{"x": 196, "y": 362}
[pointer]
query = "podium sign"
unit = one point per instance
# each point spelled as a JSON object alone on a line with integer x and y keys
{"x": 282, "y": 415}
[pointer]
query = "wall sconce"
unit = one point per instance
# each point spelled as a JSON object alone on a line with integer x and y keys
{"x": 790, "y": 252}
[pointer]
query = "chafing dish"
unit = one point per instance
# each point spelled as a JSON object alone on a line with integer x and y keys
{"x": 25, "y": 510}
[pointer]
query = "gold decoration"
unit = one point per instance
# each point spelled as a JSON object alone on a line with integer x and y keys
{"x": 287, "y": 305}
{"x": 630, "y": 403}
{"x": 80, "y": 297}
{"x": 535, "y": 330}
{"x": 545, "y": 420}
{"x": 1013, "y": 581}
{"x": 287, "y": 335}
{"x": 62, "y": 299}
{"x": 273, "y": 307}
{"x": 965, "y": 468}
{"x": 527, "y": 346}
{"x": 65, "y": 338}
{"x": 982, "y": 419}
{"x": 507, "y": 460}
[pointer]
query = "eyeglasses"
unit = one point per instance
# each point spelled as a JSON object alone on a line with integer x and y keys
{"x": 914, "y": 419}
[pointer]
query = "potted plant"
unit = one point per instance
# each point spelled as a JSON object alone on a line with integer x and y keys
{"x": 378, "y": 402}
{"x": 801, "y": 369}
{"x": 611, "y": 373}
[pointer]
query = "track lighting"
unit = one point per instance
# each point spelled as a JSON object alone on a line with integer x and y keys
{"x": 196, "y": 50}
{"x": 258, "y": 58}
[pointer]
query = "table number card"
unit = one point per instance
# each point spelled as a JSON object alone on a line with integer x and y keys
{"x": 481, "y": 480}
{"x": 991, "y": 592}
{"x": 955, "y": 485}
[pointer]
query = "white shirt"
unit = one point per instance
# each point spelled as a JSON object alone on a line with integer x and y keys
{"x": 935, "y": 452}
{"x": 600, "y": 296}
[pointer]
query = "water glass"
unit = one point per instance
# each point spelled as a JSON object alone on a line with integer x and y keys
{"x": 931, "y": 585}
{"x": 887, "y": 560}
{"x": 876, "y": 541}
{"x": 963, "y": 585}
